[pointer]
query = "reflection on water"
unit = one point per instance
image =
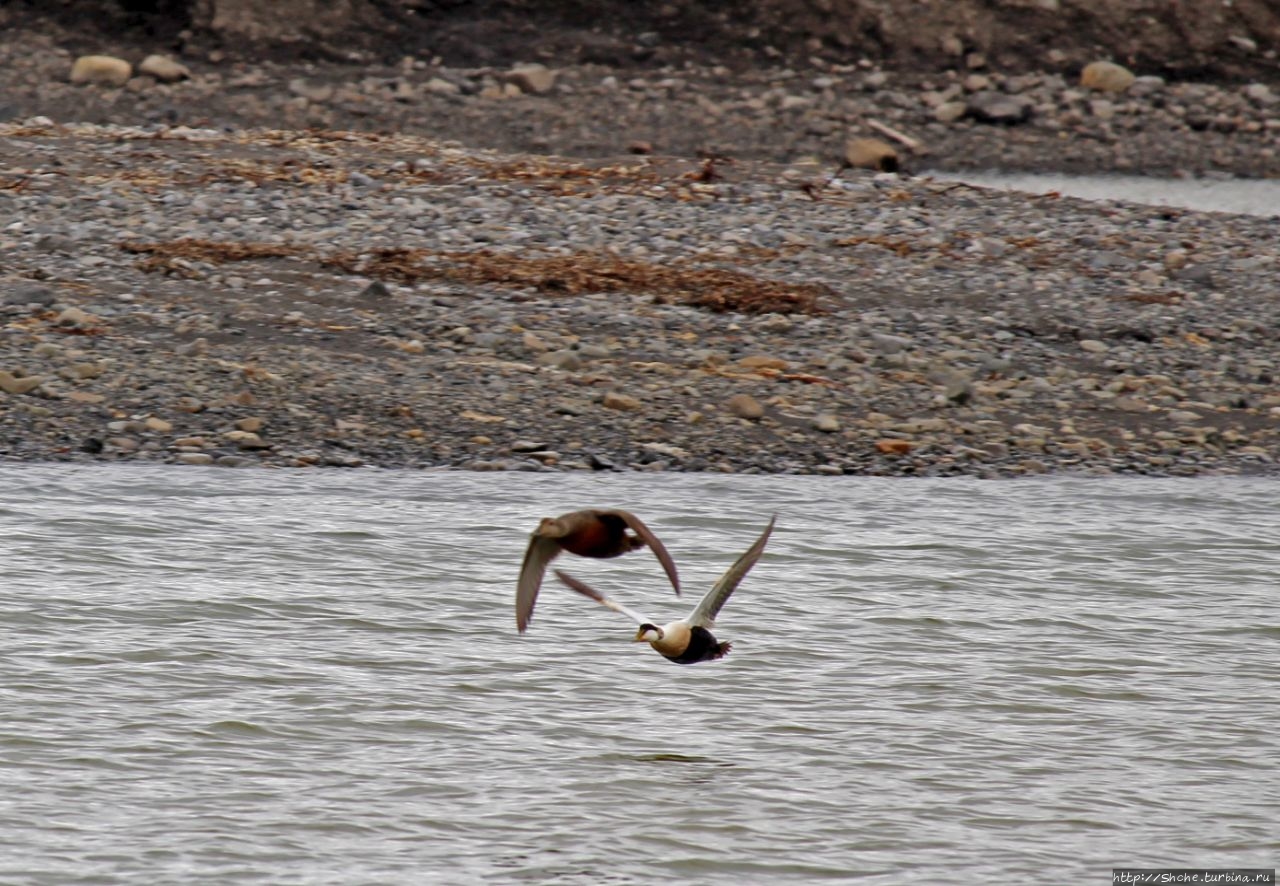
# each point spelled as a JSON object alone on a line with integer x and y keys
{"x": 293, "y": 677}
{"x": 1246, "y": 196}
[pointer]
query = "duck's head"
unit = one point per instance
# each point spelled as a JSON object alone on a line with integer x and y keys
{"x": 649, "y": 634}
{"x": 550, "y": 527}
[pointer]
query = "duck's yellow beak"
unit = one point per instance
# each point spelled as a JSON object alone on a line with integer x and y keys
{"x": 639, "y": 637}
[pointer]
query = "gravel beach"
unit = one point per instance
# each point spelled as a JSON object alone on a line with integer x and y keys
{"x": 311, "y": 269}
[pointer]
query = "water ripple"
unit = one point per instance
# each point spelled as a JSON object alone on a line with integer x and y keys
{"x": 314, "y": 678}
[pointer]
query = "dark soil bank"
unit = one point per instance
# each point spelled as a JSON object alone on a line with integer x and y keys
{"x": 1187, "y": 39}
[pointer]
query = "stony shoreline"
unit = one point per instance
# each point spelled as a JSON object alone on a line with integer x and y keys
{"x": 287, "y": 298}
{"x": 292, "y": 265}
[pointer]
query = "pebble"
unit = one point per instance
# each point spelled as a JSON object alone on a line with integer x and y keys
{"x": 870, "y": 153}
{"x": 440, "y": 86}
{"x": 745, "y": 406}
{"x": 18, "y": 384}
{"x": 893, "y": 446}
{"x": 1106, "y": 76}
{"x": 532, "y": 78}
{"x": 563, "y": 359}
{"x": 28, "y": 294}
{"x": 999, "y": 107}
{"x": 74, "y": 316}
{"x": 163, "y": 68}
{"x": 104, "y": 70}
{"x": 622, "y": 402}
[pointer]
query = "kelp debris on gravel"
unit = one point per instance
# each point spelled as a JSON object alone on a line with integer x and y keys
{"x": 715, "y": 289}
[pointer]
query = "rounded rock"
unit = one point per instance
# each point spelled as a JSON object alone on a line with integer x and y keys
{"x": 163, "y": 68}
{"x": 744, "y": 406}
{"x": 1106, "y": 77}
{"x": 621, "y": 402}
{"x": 870, "y": 153}
{"x": 105, "y": 70}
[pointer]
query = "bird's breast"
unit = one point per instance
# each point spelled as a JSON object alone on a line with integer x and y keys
{"x": 675, "y": 640}
{"x": 697, "y": 644}
{"x": 592, "y": 539}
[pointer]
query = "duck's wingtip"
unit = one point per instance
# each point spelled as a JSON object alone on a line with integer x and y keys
{"x": 577, "y": 585}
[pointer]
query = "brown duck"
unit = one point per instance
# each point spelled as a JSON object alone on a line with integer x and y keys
{"x": 599, "y": 533}
{"x": 689, "y": 640}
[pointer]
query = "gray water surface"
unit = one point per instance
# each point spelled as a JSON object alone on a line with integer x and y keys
{"x": 210, "y": 676}
{"x": 1239, "y": 195}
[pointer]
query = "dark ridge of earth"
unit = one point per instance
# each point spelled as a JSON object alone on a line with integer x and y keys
{"x": 1191, "y": 39}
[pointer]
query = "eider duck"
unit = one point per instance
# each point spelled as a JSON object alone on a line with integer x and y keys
{"x": 688, "y": 641}
{"x": 597, "y": 533}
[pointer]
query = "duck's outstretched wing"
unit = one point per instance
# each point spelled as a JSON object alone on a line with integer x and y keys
{"x": 587, "y": 591}
{"x": 704, "y": 614}
{"x": 636, "y": 525}
{"x": 540, "y": 552}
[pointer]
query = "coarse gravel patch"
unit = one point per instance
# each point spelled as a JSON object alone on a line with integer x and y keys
{"x": 297, "y": 298}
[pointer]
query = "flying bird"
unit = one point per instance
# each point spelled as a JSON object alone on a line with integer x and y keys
{"x": 599, "y": 533}
{"x": 688, "y": 641}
